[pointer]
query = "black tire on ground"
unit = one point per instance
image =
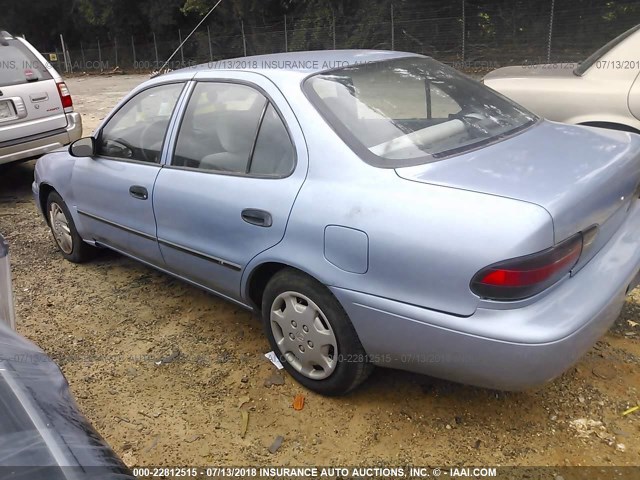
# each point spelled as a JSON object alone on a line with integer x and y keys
{"x": 352, "y": 366}
{"x": 80, "y": 251}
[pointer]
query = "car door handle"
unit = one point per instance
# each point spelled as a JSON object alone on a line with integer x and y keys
{"x": 139, "y": 192}
{"x": 257, "y": 217}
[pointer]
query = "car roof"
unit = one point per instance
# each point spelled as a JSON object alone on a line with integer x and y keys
{"x": 305, "y": 63}
{"x": 282, "y": 69}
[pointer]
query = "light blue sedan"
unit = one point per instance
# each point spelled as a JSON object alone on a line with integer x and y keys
{"x": 375, "y": 208}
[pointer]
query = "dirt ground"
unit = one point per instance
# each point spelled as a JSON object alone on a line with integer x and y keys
{"x": 111, "y": 323}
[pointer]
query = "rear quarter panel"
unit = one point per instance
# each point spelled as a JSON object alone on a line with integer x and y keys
{"x": 568, "y": 99}
{"x": 425, "y": 242}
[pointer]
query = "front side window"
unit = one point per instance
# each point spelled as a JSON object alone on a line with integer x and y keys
{"x": 410, "y": 111}
{"x": 137, "y": 131}
{"x": 233, "y": 128}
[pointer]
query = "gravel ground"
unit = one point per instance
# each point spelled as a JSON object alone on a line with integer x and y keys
{"x": 165, "y": 371}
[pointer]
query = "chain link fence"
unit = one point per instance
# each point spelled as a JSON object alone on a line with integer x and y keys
{"x": 460, "y": 33}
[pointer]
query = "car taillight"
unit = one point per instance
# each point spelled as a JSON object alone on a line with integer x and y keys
{"x": 526, "y": 276}
{"x": 65, "y": 96}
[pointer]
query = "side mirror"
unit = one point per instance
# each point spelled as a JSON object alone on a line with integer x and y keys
{"x": 84, "y": 147}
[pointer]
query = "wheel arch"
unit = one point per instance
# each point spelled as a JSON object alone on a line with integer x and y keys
{"x": 43, "y": 194}
{"x": 259, "y": 277}
{"x": 611, "y": 125}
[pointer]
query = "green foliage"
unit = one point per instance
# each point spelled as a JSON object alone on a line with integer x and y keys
{"x": 420, "y": 25}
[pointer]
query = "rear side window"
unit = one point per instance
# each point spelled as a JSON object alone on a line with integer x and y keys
{"x": 273, "y": 154}
{"x": 232, "y": 128}
{"x": 219, "y": 127}
{"x": 19, "y": 65}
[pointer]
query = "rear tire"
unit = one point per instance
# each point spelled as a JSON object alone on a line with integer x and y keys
{"x": 65, "y": 234}
{"x": 312, "y": 335}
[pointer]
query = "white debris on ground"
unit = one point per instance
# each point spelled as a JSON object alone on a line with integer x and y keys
{"x": 586, "y": 427}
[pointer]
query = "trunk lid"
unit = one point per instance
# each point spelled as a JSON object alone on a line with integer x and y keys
{"x": 551, "y": 70}
{"x": 582, "y": 176}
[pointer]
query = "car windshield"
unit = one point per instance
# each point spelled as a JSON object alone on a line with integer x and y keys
{"x": 602, "y": 51}
{"x": 411, "y": 110}
{"x": 18, "y": 65}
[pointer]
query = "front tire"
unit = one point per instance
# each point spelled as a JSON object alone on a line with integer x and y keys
{"x": 312, "y": 335}
{"x": 65, "y": 235}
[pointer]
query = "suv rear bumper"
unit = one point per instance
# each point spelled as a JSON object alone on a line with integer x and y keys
{"x": 41, "y": 144}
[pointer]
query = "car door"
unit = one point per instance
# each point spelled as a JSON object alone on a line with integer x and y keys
{"x": 229, "y": 188}
{"x": 113, "y": 190}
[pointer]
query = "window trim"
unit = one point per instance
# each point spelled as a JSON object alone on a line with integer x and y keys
{"x": 159, "y": 163}
{"x": 257, "y": 134}
{"x": 270, "y": 101}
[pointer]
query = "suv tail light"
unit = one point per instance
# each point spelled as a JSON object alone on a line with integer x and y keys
{"x": 526, "y": 276}
{"x": 65, "y": 97}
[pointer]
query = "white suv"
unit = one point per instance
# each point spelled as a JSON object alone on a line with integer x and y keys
{"x": 36, "y": 110}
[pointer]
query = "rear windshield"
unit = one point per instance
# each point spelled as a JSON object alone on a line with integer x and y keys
{"x": 411, "y": 111}
{"x": 18, "y": 65}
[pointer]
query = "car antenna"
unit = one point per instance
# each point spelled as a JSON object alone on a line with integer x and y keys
{"x": 160, "y": 72}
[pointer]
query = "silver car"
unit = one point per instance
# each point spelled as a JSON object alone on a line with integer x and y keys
{"x": 603, "y": 91}
{"x": 375, "y": 208}
{"x": 36, "y": 108}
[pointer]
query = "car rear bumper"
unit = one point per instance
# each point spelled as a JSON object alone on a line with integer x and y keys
{"x": 40, "y": 144}
{"x": 506, "y": 349}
